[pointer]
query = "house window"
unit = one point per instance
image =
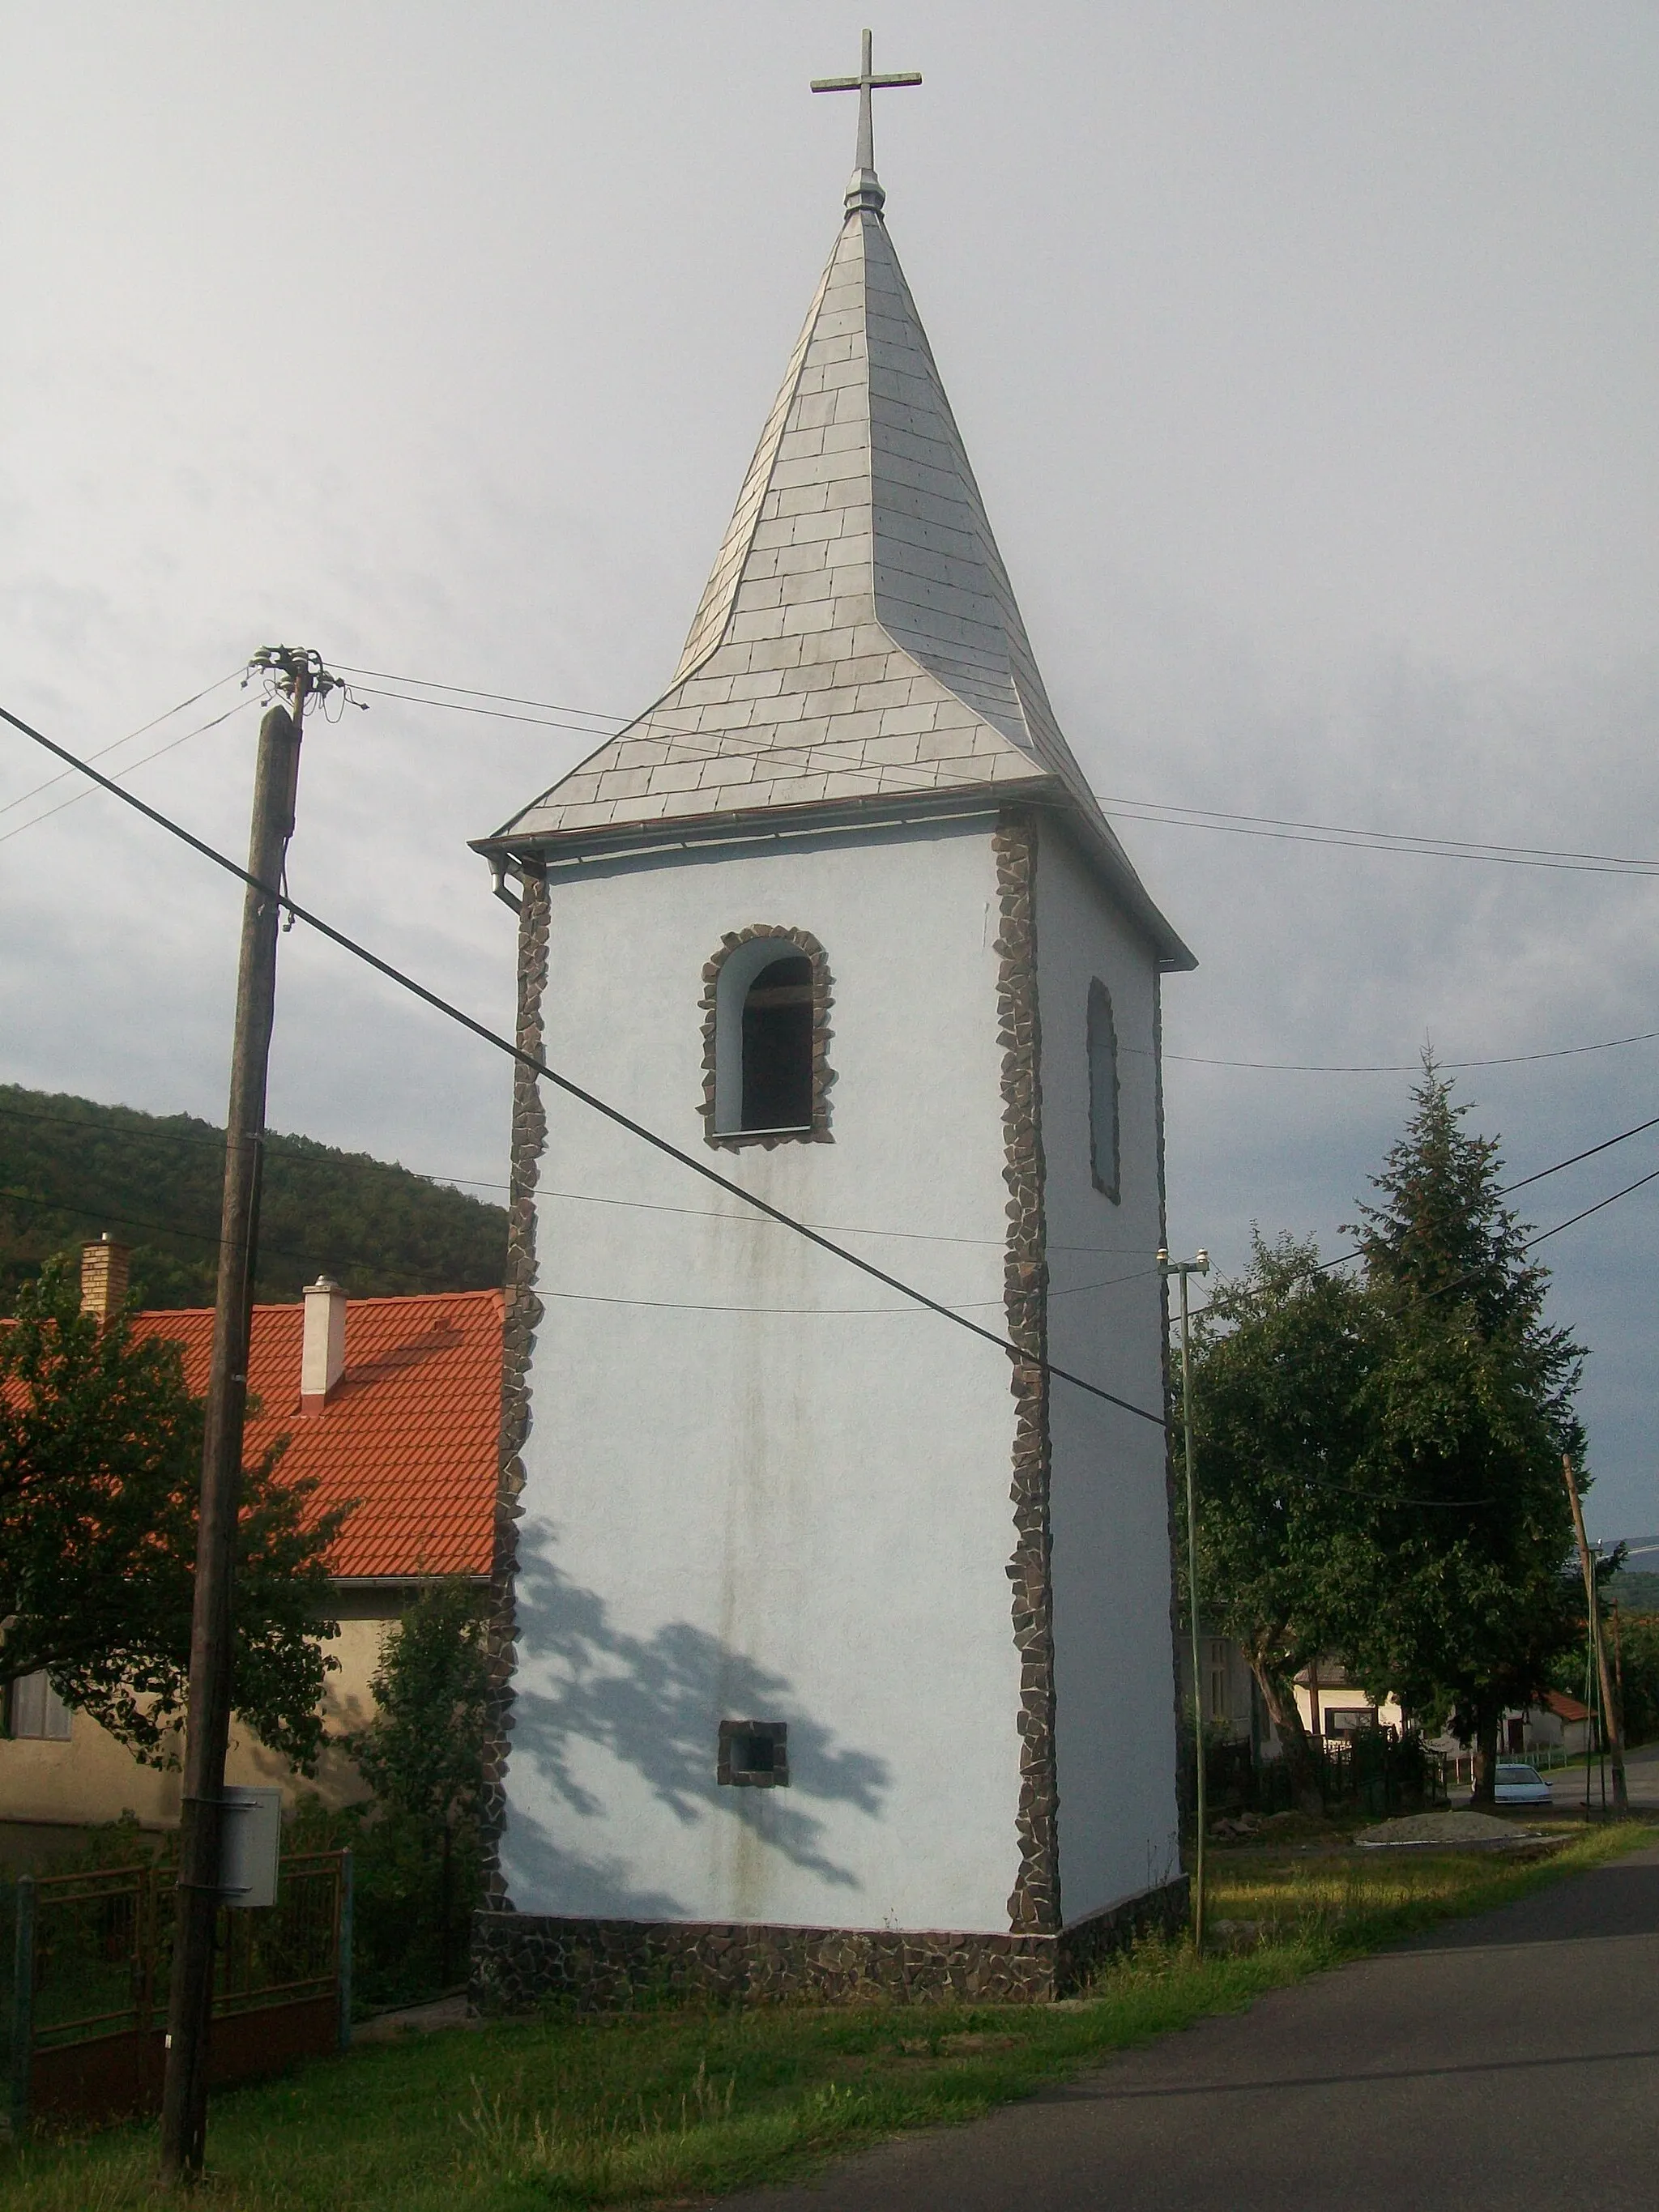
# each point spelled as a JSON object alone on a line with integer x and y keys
{"x": 34, "y": 1709}
{"x": 754, "y": 1754}
{"x": 1104, "y": 1149}
{"x": 765, "y": 1027}
{"x": 1216, "y": 1667}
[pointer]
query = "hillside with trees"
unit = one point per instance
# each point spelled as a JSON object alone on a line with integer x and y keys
{"x": 72, "y": 1169}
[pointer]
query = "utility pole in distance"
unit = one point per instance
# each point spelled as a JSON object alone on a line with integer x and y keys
{"x": 1612, "y": 1723}
{"x": 300, "y": 675}
{"x": 1182, "y": 1269}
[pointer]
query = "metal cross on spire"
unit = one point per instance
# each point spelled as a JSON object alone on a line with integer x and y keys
{"x": 864, "y": 191}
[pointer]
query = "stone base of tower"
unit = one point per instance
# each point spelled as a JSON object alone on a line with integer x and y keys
{"x": 524, "y": 1961}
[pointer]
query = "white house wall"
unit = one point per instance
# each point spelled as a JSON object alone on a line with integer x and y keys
{"x": 1114, "y": 1660}
{"x": 801, "y": 1514}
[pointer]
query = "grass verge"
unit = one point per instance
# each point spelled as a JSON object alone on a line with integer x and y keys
{"x": 695, "y": 2102}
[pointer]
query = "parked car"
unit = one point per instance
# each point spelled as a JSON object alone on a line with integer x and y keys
{"x": 1519, "y": 1785}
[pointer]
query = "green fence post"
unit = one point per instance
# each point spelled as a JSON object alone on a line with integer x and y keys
{"x": 22, "y": 2006}
{"x": 343, "y": 1959}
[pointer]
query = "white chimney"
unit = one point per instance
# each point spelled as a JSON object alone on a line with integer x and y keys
{"x": 322, "y": 1355}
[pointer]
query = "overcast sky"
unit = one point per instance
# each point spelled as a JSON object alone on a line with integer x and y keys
{"x": 1306, "y": 354}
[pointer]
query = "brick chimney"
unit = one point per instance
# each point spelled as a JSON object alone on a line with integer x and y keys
{"x": 322, "y": 1354}
{"x": 105, "y": 1269}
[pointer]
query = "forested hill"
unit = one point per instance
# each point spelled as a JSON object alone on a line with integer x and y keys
{"x": 70, "y": 1169}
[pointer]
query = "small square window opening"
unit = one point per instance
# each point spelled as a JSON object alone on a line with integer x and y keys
{"x": 754, "y": 1754}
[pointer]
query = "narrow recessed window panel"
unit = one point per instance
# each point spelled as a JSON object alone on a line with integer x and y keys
{"x": 1104, "y": 1141}
{"x": 777, "y": 1046}
{"x": 754, "y": 1755}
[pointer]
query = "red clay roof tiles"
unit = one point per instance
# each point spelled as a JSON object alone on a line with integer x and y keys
{"x": 409, "y": 1432}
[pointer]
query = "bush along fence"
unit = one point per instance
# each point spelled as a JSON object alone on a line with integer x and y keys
{"x": 1377, "y": 1770}
{"x": 84, "y": 1961}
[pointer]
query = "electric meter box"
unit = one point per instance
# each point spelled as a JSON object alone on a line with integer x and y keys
{"x": 250, "y": 1839}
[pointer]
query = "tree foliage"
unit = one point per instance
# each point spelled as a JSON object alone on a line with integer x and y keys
{"x": 71, "y": 1168}
{"x": 1635, "y": 1642}
{"x": 423, "y": 1755}
{"x": 1380, "y": 1459}
{"x": 1280, "y": 1358}
{"x": 423, "y": 1752}
{"x": 1470, "y": 1416}
{"x": 101, "y": 1454}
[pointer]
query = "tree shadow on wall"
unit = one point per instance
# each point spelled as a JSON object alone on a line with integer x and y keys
{"x": 654, "y": 1704}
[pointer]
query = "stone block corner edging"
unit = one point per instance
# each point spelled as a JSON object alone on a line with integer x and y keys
{"x": 522, "y": 1961}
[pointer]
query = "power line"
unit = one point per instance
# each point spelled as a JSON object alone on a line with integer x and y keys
{"x": 276, "y": 1144}
{"x": 115, "y": 744}
{"x": 1323, "y": 1267}
{"x": 1205, "y": 817}
{"x": 96, "y": 1212}
{"x": 1420, "y": 843}
{"x": 1596, "y": 1208}
{"x": 132, "y": 768}
{"x": 1402, "y": 1067}
{"x": 808, "y": 1313}
{"x": 543, "y": 1073}
{"x": 1605, "y": 1145}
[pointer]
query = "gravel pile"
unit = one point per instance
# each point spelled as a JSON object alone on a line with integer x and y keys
{"x": 1443, "y": 1828}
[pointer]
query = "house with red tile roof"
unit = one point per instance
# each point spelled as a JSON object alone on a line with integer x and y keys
{"x": 392, "y": 1405}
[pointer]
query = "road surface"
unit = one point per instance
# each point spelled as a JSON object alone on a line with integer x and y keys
{"x": 1505, "y": 2064}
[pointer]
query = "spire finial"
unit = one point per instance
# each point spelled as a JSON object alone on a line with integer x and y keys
{"x": 863, "y": 190}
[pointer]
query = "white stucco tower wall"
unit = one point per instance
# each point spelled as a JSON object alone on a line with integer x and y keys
{"x": 834, "y": 1646}
{"x": 1109, "y": 1500}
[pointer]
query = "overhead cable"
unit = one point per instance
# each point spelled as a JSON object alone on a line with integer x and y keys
{"x": 1421, "y": 843}
{"x": 543, "y": 1073}
{"x": 358, "y": 1161}
{"x": 116, "y": 744}
{"x": 132, "y": 768}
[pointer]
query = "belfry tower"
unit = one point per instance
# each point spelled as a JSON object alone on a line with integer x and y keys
{"x": 836, "y": 1643}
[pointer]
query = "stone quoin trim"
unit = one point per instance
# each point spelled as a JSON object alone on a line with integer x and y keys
{"x": 522, "y": 1311}
{"x": 800, "y": 940}
{"x": 1034, "y": 1902}
{"x": 522, "y": 1961}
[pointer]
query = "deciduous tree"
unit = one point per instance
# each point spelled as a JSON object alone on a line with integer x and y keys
{"x": 100, "y": 1454}
{"x": 423, "y": 1754}
{"x": 1281, "y": 1360}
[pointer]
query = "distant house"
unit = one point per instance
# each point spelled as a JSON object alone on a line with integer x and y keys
{"x": 1331, "y": 1707}
{"x": 1556, "y": 1721}
{"x": 392, "y": 1405}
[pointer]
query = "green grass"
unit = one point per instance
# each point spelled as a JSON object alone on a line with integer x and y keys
{"x": 670, "y": 2103}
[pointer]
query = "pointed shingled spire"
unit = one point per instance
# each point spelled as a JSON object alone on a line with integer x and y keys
{"x": 857, "y": 639}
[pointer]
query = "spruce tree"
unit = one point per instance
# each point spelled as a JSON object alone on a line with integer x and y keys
{"x": 1464, "y": 1603}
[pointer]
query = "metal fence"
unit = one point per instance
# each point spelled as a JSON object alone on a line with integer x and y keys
{"x": 85, "y": 1962}
{"x": 1382, "y": 1771}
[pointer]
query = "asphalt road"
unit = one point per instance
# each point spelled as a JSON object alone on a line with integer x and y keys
{"x": 1505, "y": 2064}
{"x": 1641, "y": 1779}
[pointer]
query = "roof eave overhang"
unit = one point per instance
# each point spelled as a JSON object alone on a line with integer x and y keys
{"x": 560, "y": 850}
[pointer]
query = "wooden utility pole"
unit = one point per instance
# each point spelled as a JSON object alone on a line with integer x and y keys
{"x": 183, "y": 2110}
{"x": 1612, "y": 1718}
{"x": 1182, "y": 1269}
